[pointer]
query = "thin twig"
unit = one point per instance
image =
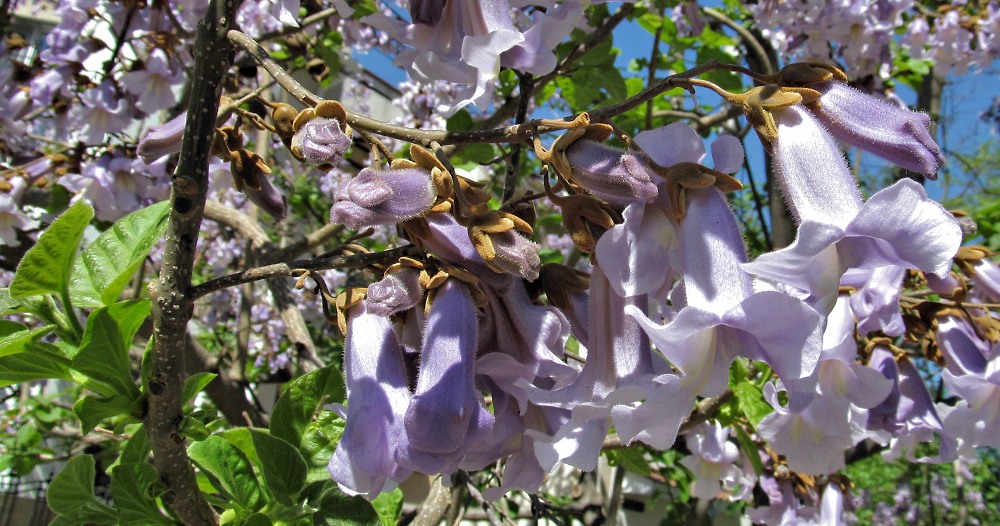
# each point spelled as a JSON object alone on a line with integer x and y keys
{"x": 508, "y": 134}
{"x": 278, "y": 270}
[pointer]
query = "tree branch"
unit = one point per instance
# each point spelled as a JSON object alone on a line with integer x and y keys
{"x": 508, "y": 134}
{"x": 172, "y": 305}
{"x": 277, "y": 270}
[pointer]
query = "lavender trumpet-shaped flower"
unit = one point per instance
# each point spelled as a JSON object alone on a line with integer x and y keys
{"x": 383, "y": 197}
{"x": 724, "y": 318}
{"x": 896, "y": 134}
{"x": 162, "y": 140}
{"x": 908, "y": 414}
{"x": 446, "y": 416}
{"x": 377, "y": 398}
{"x": 619, "y": 370}
{"x": 898, "y": 226}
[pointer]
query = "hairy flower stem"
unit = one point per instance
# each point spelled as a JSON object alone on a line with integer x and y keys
{"x": 172, "y": 305}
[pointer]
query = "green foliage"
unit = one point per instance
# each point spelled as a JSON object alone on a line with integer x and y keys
{"x": 107, "y": 265}
{"x": 71, "y": 495}
{"x": 229, "y": 471}
{"x": 46, "y": 267}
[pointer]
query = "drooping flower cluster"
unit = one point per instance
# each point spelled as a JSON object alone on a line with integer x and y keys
{"x": 658, "y": 338}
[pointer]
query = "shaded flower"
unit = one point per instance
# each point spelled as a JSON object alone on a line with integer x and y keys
{"x": 445, "y": 417}
{"x": 163, "y": 139}
{"x": 383, "y": 197}
{"x": 377, "y": 397}
{"x": 101, "y": 110}
{"x": 154, "y": 83}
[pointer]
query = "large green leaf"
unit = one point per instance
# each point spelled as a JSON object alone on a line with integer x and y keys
{"x": 229, "y": 470}
{"x": 45, "y": 267}
{"x": 103, "y": 355}
{"x": 105, "y": 267}
{"x": 302, "y": 400}
{"x": 283, "y": 467}
{"x": 71, "y": 494}
{"x": 319, "y": 441}
{"x": 134, "y": 487}
{"x": 20, "y": 341}
{"x": 42, "y": 363}
{"x": 92, "y": 409}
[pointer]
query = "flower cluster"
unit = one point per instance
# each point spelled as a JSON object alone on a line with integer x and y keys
{"x": 659, "y": 338}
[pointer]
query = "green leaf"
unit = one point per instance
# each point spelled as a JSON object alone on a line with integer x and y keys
{"x": 137, "y": 448}
{"x": 335, "y": 508}
{"x": 103, "y": 355}
{"x": 229, "y": 471}
{"x": 749, "y": 449}
{"x": 134, "y": 488}
{"x": 328, "y": 48}
{"x": 283, "y": 467}
{"x": 460, "y": 121}
{"x": 302, "y": 400}
{"x": 71, "y": 493}
{"x": 319, "y": 441}
{"x": 20, "y": 341}
{"x": 45, "y": 267}
{"x": 751, "y": 402}
{"x": 7, "y": 303}
{"x": 388, "y": 506}
{"x": 42, "y": 363}
{"x": 257, "y": 519}
{"x": 92, "y": 409}
{"x": 194, "y": 384}
{"x": 106, "y": 266}
{"x": 630, "y": 458}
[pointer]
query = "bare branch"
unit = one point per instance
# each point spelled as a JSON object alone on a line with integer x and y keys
{"x": 172, "y": 306}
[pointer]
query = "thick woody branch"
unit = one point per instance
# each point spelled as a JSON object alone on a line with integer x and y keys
{"x": 172, "y": 305}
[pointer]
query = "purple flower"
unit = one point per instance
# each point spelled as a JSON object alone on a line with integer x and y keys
{"x": 321, "y": 141}
{"x": 162, "y": 140}
{"x": 399, "y": 290}
{"x": 250, "y": 173}
{"x": 463, "y": 46}
{"x": 101, "y": 110}
{"x": 896, "y": 134}
{"x": 723, "y": 318}
{"x": 153, "y": 85}
{"x": 908, "y": 413}
{"x": 445, "y": 416}
{"x": 619, "y": 369}
{"x": 898, "y": 226}
{"x": 12, "y": 219}
{"x": 383, "y": 197}
{"x": 377, "y": 397}
{"x": 813, "y": 440}
{"x": 713, "y": 459}
{"x": 616, "y": 176}
{"x": 875, "y": 301}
